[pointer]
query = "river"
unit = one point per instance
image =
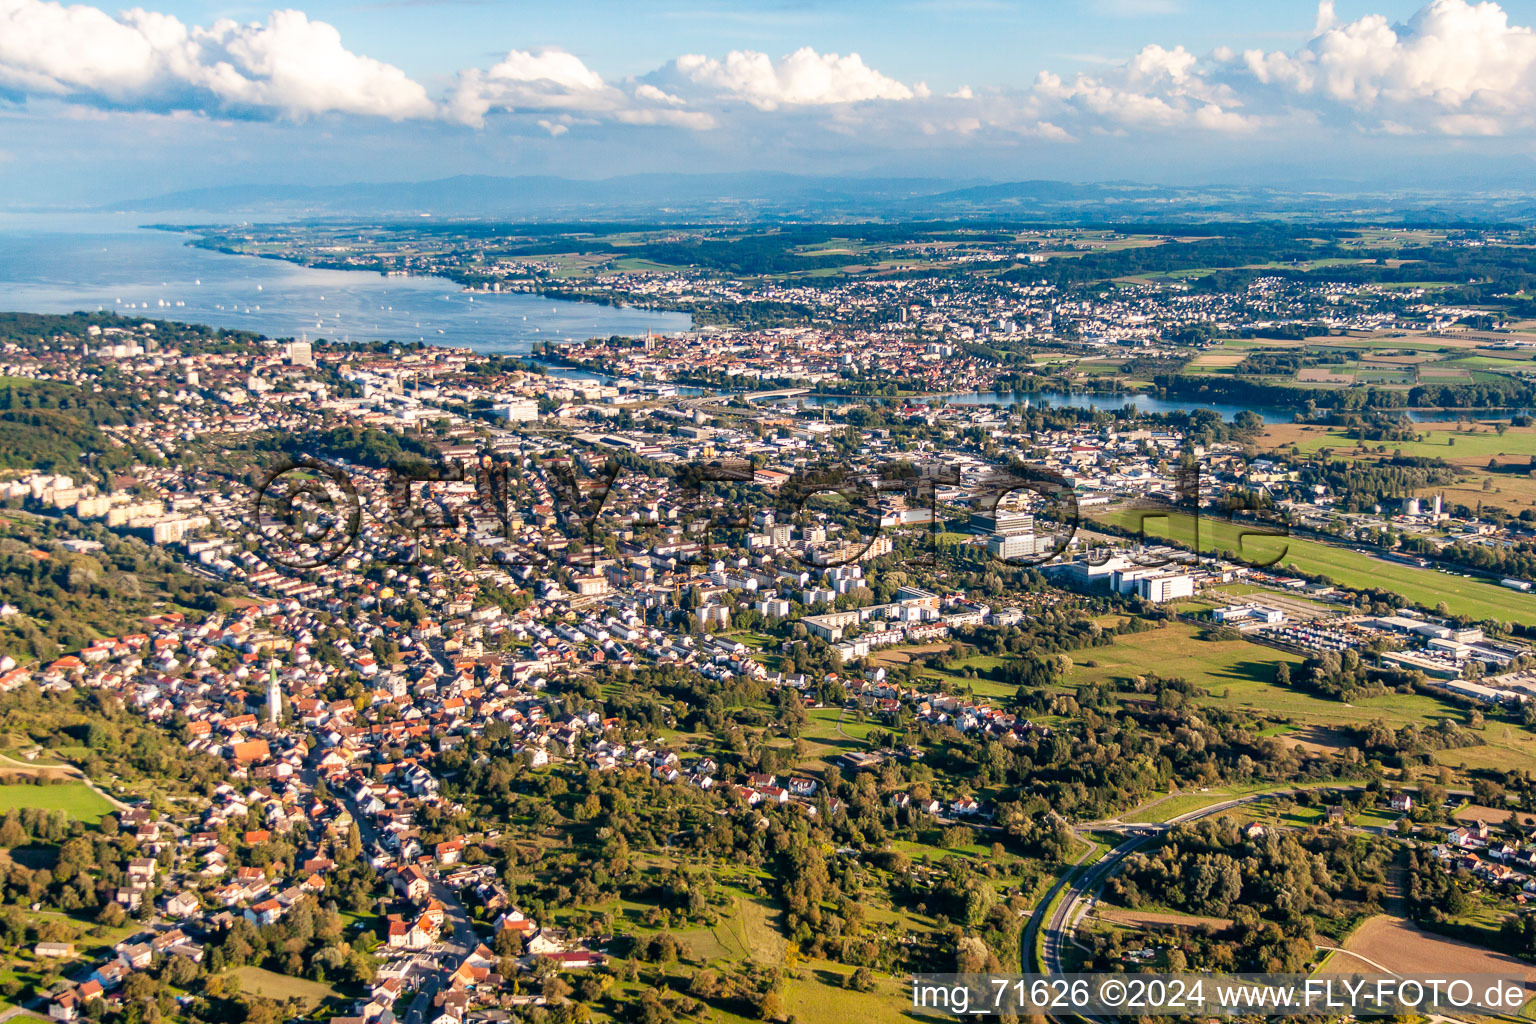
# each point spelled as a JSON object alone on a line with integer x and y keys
{"x": 1140, "y": 402}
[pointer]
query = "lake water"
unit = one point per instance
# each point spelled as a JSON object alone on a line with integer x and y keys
{"x": 59, "y": 264}
{"x": 1139, "y": 402}
{"x": 155, "y": 274}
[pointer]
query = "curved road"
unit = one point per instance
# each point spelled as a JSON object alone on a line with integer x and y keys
{"x": 1087, "y": 884}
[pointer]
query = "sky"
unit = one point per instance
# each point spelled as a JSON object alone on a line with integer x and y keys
{"x": 100, "y": 103}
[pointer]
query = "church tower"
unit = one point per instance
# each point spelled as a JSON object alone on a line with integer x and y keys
{"x": 274, "y": 696}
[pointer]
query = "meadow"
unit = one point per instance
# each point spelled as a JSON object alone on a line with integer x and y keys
{"x": 75, "y": 799}
{"x": 271, "y": 985}
{"x": 1239, "y": 675}
{"x": 1450, "y": 441}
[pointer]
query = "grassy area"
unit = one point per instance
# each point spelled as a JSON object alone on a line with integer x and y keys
{"x": 75, "y": 799}
{"x": 816, "y": 993}
{"x": 1176, "y": 649}
{"x": 1345, "y": 566}
{"x": 272, "y": 985}
{"x": 1239, "y": 675}
{"x": 1440, "y": 440}
{"x": 1172, "y": 807}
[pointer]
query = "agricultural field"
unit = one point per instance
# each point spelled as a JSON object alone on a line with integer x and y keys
{"x": 1477, "y": 598}
{"x": 1467, "y": 443}
{"x": 77, "y": 800}
{"x": 1400, "y": 946}
{"x": 1469, "y": 446}
{"x": 1384, "y": 361}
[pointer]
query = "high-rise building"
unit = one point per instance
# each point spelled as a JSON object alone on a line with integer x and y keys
{"x": 301, "y": 353}
{"x": 518, "y": 410}
{"x": 1017, "y": 545}
{"x": 1003, "y": 523}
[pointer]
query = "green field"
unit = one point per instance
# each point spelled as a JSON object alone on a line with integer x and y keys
{"x": 271, "y": 985}
{"x": 1347, "y": 567}
{"x": 1159, "y": 810}
{"x": 1239, "y": 675}
{"x": 75, "y": 799}
{"x": 815, "y": 993}
{"x": 1442, "y": 441}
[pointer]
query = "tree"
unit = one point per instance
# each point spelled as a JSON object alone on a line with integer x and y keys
{"x": 770, "y": 1005}
{"x": 11, "y": 832}
{"x": 179, "y": 971}
{"x": 555, "y": 990}
{"x": 508, "y": 942}
{"x": 861, "y": 980}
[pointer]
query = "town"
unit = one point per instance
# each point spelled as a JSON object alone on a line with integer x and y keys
{"x": 601, "y": 677}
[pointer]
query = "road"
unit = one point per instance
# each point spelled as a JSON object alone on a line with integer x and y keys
{"x": 464, "y": 936}
{"x": 452, "y": 949}
{"x": 1064, "y": 919}
{"x": 1087, "y": 884}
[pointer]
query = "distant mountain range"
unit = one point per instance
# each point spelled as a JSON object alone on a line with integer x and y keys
{"x": 769, "y": 196}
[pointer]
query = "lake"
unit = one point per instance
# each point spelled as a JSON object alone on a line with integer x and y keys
{"x": 1141, "y": 403}
{"x": 95, "y": 265}
{"x": 61, "y": 264}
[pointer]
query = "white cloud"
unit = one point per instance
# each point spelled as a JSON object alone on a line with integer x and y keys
{"x": 803, "y": 78}
{"x": 693, "y": 119}
{"x": 540, "y": 82}
{"x": 651, "y": 94}
{"x": 288, "y": 67}
{"x": 1455, "y": 67}
{"x": 556, "y": 81}
{"x": 1156, "y": 89}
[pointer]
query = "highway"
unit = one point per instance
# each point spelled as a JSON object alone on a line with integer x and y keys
{"x": 1082, "y": 886}
{"x": 1086, "y": 884}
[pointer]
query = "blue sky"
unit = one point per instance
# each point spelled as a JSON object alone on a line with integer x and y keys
{"x": 98, "y": 103}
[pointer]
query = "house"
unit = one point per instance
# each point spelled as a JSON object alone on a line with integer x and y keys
{"x": 183, "y": 904}
{"x": 250, "y": 751}
{"x": 137, "y": 955}
{"x": 69, "y": 1004}
{"x": 412, "y": 935}
{"x": 264, "y": 913}
{"x": 576, "y": 959}
{"x": 110, "y": 975}
{"x": 53, "y": 950}
{"x": 802, "y": 787}
{"x": 65, "y": 1006}
{"x": 412, "y": 883}
{"x": 1401, "y": 802}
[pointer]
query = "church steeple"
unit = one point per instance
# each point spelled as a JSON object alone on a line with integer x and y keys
{"x": 274, "y": 696}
